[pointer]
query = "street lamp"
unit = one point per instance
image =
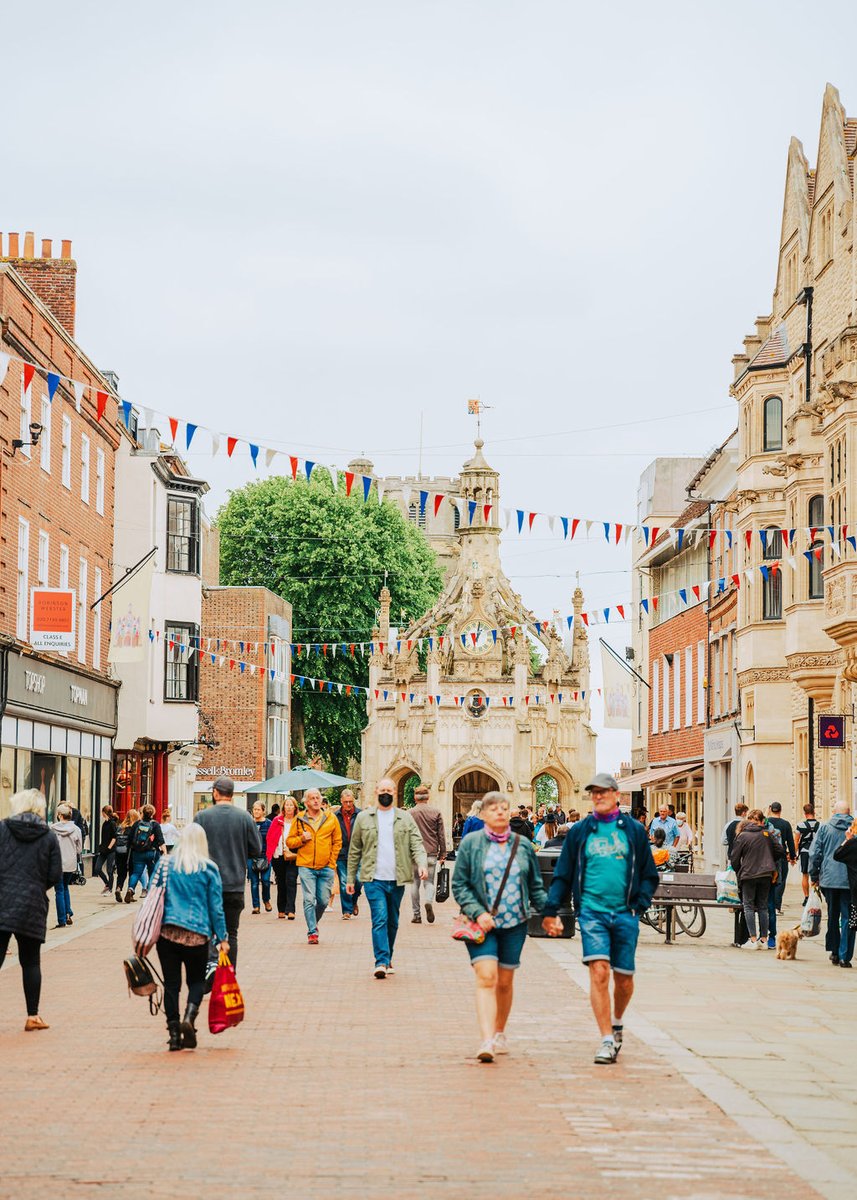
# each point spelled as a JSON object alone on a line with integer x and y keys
{"x": 35, "y": 434}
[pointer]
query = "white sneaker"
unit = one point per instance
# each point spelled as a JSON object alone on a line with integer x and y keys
{"x": 501, "y": 1043}
{"x": 380, "y": 971}
{"x": 486, "y": 1052}
{"x": 750, "y": 944}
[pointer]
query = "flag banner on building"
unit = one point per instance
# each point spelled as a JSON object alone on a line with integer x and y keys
{"x": 129, "y": 633}
{"x": 617, "y": 692}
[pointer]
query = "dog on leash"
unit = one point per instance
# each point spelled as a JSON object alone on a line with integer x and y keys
{"x": 787, "y": 942}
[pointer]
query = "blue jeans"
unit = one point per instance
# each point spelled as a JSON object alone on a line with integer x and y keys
{"x": 347, "y": 902}
{"x": 610, "y": 936}
{"x": 839, "y": 939}
{"x": 317, "y": 884}
{"x": 141, "y": 870}
{"x": 254, "y": 878}
{"x": 385, "y": 900}
{"x": 64, "y": 899}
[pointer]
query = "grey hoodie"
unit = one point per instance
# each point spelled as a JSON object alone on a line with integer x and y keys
{"x": 822, "y": 865}
{"x": 71, "y": 843}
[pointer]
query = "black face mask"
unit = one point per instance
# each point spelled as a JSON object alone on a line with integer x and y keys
{"x": 385, "y": 799}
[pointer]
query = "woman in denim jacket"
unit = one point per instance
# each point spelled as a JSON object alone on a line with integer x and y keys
{"x": 193, "y": 915}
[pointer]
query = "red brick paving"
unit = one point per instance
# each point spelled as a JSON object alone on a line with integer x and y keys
{"x": 340, "y": 1083}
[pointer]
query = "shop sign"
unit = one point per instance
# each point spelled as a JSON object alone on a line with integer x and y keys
{"x": 229, "y": 772}
{"x": 831, "y": 732}
{"x": 47, "y": 692}
{"x": 52, "y": 619}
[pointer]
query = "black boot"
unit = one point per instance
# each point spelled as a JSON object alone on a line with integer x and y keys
{"x": 188, "y": 1027}
{"x": 175, "y": 1031}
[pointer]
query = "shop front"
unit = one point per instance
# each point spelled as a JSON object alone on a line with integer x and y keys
{"x": 57, "y": 735}
{"x": 722, "y": 791}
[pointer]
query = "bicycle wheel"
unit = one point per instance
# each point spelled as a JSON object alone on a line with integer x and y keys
{"x": 656, "y": 917}
{"x": 690, "y": 919}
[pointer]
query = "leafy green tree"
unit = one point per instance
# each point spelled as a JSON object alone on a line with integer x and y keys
{"x": 329, "y": 555}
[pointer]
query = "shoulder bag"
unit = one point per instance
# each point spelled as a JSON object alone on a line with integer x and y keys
{"x": 465, "y": 930}
{"x": 148, "y": 921}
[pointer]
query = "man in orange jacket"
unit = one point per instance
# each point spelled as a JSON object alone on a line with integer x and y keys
{"x": 317, "y": 838}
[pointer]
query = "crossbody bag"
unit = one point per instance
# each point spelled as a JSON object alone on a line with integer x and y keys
{"x": 465, "y": 930}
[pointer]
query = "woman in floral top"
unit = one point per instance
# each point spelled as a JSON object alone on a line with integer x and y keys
{"x": 479, "y": 869}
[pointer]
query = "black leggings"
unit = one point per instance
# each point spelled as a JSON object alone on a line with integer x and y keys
{"x": 286, "y": 875}
{"x": 172, "y": 955}
{"x": 29, "y": 956}
{"x": 122, "y": 863}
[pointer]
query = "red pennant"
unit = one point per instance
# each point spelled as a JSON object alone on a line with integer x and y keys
{"x": 784, "y": 534}
{"x": 324, "y": 649}
{"x": 431, "y": 698}
{"x": 376, "y": 693}
{"x": 174, "y": 427}
{"x": 844, "y": 533}
{"x": 351, "y": 648}
{"x": 291, "y": 678}
{"x": 473, "y": 638}
{"x": 695, "y": 590}
{"x": 455, "y": 698}
{"x": 813, "y": 532}
{"x": 403, "y": 697}
{"x": 552, "y": 697}
{"x": 100, "y": 404}
{"x": 620, "y": 609}
{"x": 532, "y": 518}
{"x": 712, "y": 538}
{"x": 410, "y": 644}
{"x": 320, "y": 685}
{"x": 349, "y": 482}
{"x": 29, "y": 372}
{"x": 231, "y": 664}
{"x": 172, "y": 644}
{"x": 654, "y": 535}
{"x": 231, "y": 443}
{"x": 486, "y": 512}
{"x": 585, "y": 618}
{"x": 514, "y": 630}
{"x": 618, "y": 533}
{"x": 293, "y": 463}
{"x": 748, "y": 537}
{"x": 526, "y": 699}
{"x": 438, "y": 500}
{"x": 381, "y": 647}
{"x": 440, "y": 642}
{"x": 655, "y": 603}
{"x": 348, "y": 689}
{"x": 574, "y": 524}
{"x": 736, "y": 579}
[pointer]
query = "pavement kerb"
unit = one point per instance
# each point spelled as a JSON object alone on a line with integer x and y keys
{"x": 805, "y": 1160}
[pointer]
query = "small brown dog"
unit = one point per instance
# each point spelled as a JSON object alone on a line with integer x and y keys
{"x": 787, "y": 942}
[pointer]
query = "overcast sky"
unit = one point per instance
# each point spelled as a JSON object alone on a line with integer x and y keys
{"x": 308, "y": 223}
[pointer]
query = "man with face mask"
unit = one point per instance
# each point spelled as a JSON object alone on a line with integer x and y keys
{"x": 386, "y": 849}
{"x": 686, "y": 836}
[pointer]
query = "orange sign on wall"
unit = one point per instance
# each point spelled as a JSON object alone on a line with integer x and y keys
{"x": 52, "y": 618}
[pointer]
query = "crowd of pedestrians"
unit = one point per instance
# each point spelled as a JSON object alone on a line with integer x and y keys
{"x": 607, "y": 869}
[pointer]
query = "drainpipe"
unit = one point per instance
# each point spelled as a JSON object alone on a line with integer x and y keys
{"x": 810, "y": 713}
{"x": 806, "y": 298}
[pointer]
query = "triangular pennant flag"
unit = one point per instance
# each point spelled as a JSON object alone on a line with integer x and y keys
{"x": 190, "y": 430}
{"x": 564, "y": 523}
{"x": 695, "y": 590}
{"x": 215, "y": 443}
{"x": 729, "y": 538}
{"x": 438, "y": 500}
{"x": 270, "y": 455}
{"x": 78, "y": 389}
{"x": 126, "y": 413}
{"x": 551, "y": 521}
{"x": 763, "y": 538}
{"x": 308, "y": 466}
{"x": 100, "y": 404}
{"x": 254, "y": 453}
{"x": 519, "y": 514}
{"x": 423, "y": 502}
{"x": 530, "y": 520}
{"x": 736, "y": 579}
{"x": 367, "y": 484}
{"x": 712, "y": 538}
{"x": 349, "y": 482}
{"x": 644, "y": 604}
{"x": 646, "y": 534}
{"x": 655, "y": 600}
{"x": 53, "y": 384}
{"x": 334, "y": 477}
{"x": 486, "y": 512}
{"x": 380, "y": 488}
{"x": 231, "y": 443}
{"x": 748, "y": 537}
{"x": 679, "y": 539}
{"x": 606, "y": 525}
{"x": 174, "y": 424}
{"x": 471, "y": 509}
{"x": 620, "y": 609}
{"x": 607, "y": 615}
{"x": 618, "y": 533}
{"x": 4, "y": 367}
{"x": 29, "y": 372}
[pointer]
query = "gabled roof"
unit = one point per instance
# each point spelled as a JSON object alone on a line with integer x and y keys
{"x": 774, "y": 352}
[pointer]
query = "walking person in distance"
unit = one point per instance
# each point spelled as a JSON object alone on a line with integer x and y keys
{"x": 122, "y": 850}
{"x": 282, "y": 859}
{"x": 429, "y": 821}
{"x": 386, "y": 849}
{"x": 832, "y": 875}
{"x": 146, "y": 846}
{"x": 606, "y": 864}
{"x": 754, "y": 856}
{"x": 30, "y": 864}
{"x": 497, "y": 882}
{"x": 346, "y": 815}
{"x": 193, "y": 916}
{"x": 316, "y": 838}
{"x": 104, "y": 866}
{"x": 232, "y": 839}
{"x": 71, "y": 846}
{"x": 806, "y": 831}
{"x": 259, "y": 869}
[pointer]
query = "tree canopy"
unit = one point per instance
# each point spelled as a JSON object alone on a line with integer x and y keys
{"x": 328, "y": 554}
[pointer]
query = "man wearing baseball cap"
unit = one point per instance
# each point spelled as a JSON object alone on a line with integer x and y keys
{"x": 606, "y": 865}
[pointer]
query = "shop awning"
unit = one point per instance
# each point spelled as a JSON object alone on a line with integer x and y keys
{"x": 643, "y": 779}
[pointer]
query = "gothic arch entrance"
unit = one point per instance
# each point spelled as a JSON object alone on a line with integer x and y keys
{"x": 470, "y": 786}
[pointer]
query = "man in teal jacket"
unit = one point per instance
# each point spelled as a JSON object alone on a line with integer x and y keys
{"x": 386, "y": 849}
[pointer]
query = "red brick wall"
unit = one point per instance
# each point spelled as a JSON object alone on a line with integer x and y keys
{"x": 685, "y": 629}
{"x": 26, "y": 490}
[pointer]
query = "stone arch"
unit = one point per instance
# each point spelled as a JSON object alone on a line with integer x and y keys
{"x": 567, "y": 791}
{"x": 400, "y": 772}
{"x": 471, "y": 785}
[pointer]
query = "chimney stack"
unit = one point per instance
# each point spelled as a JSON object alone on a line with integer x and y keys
{"x": 53, "y": 280}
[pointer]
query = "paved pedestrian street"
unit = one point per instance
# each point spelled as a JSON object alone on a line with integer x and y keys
{"x": 340, "y": 1084}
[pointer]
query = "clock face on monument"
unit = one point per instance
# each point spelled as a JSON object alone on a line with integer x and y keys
{"x": 477, "y": 639}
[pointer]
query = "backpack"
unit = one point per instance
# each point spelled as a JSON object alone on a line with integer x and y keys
{"x": 121, "y": 846}
{"x": 140, "y": 976}
{"x": 144, "y": 836}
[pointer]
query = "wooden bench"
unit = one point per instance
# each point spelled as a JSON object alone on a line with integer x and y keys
{"x": 701, "y": 890}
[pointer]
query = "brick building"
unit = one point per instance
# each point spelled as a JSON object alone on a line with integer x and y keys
{"x": 244, "y": 713}
{"x": 56, "y": 530}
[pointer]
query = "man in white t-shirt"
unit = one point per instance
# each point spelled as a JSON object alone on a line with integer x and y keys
{"x": 386, "y": 849}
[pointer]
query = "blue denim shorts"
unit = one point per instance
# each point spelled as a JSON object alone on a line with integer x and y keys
{"x": 504, "y": 945}
{"x": 610, "y": 937}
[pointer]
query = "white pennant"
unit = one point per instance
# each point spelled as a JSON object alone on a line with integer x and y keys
{"x": 406, "y": 496}
{"x": 792, "y": 561}
{"x": 334, "y": 477}
{"x": 834, "y": 547}
{"x": 551, "y": 523}
{"x": 215, "y": 443}
{"x": 629, "y": 530}
{"x": 381, "y": 488}
{"x": 4, "y": 367}
{"x": 751, "y": 575}
{"x": 270, "y": 455}
{"x": 507, "y": 516}
{"x": 79, "y": 389}
{"x": 588, "y": 527}
{"x": 459, "y": 504}
{"x": 148, "y": 416}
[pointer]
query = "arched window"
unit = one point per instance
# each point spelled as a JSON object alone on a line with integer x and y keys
{"x": 772, "y": 587}
{"x": 815, "y": 512}
{"x": 773, "y": 439}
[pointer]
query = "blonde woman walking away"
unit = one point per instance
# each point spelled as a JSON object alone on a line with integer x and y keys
{"x": 30, "y": 865}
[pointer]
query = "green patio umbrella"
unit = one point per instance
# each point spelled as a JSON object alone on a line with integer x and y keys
{"x": 299, "y": 779}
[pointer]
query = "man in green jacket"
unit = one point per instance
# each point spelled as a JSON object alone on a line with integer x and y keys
{"x": 385, "y": 849}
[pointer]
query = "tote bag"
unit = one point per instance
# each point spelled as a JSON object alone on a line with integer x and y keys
{"x": 150, "y": 918}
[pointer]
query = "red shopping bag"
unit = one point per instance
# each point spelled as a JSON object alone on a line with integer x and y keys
{"x": 226, "y": 1004}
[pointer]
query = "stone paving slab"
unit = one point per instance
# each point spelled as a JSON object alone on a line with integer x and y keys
{"x": 337, "y": 1082}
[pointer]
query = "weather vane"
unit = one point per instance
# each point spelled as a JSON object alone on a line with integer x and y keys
{"x": 475, "y": 408}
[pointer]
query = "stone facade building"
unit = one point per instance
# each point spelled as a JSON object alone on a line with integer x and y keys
{"x": 796, "y": 388}
{"x": 471, "y": 714}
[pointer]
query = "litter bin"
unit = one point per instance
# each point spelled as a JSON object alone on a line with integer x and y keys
{"x": 547, "y": 862}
